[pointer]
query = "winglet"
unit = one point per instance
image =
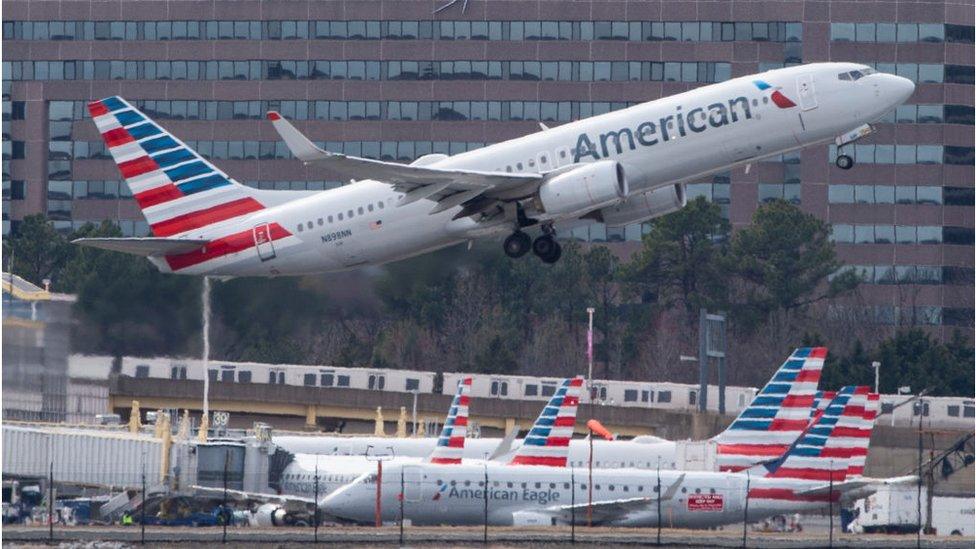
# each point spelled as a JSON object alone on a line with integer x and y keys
{"x": 299, "y": 145}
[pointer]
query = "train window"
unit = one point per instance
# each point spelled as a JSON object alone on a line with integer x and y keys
{"x": 142, "y": 370}
{"x": 227, "y": 375}
{"x": 310, "y": 380}
{"x": 212, "y": 375}
{"x": 182, "y": 372}
{"x": 413, "y": 384}
{"x": 281, "y": 378}
{"x": 372, "y": 382}
{"x": 603, "y": 393}
{"x": 692, "y": 398}
{"x": 504, "y": 388}
{"x": 272, "y": 378}
{"x": 664, "y": 396}
{"x": 381, "y": 382}
{"x": 244, "y": 376}
{"x": 952, "y": 410}
{"x": 531, "y": 390}
{"x": 174, "y": 372}
{"x": 630, "y": 395}
{"x": 327, "y": 380}
{"x": 921, "y": 408}
{"x": 645, "y": 396}
{"x": 548, "y": 389}
{"x": 342, "y": 381}
{"x": 494, "y": 388}
{"x": 968, "y": 411}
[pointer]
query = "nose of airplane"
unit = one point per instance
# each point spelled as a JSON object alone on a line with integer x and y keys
{"x": 896, "y": 89}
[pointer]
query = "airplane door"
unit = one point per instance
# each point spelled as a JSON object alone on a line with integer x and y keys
{"x": 413, "y": 483}
{"x": 263, "y": 242}
{"x": 806, "y": 92}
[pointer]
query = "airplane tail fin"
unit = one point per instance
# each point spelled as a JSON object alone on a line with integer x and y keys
{"x": 548, "y": 441}
{"x": 176, "y": 188}
{"x": 819, "y": 453}
{"x": 859, "y": 436}
{"x": 776, "y": 416}
{"x": 450, "y": 443}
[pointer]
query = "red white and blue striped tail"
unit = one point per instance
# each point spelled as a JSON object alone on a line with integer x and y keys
{"x": 820, "y": 402}
{"x": 852, "y": 433}
{"x": 548, "y": 441}
{"x": 861, "y": 438}
{"x": 450, "y": 444}
{"x": 176, "y": 189}
{"x": 776, "y": 416}
{"x": 817, "y": 455}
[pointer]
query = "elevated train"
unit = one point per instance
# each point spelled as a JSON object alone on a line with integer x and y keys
{"x": 936, "y": 412}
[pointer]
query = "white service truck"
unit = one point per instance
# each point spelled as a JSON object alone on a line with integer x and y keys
{"x": 894, "y": 509}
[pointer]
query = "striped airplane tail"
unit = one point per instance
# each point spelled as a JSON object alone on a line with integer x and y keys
{"x": 547, "y": 443}
{"x": 776, "y": 416}
{"x": 861, "y": 437}
{"x": 177, "y": 190}
{"x": 450, "y": 443}
{"x": 821, "y": 452}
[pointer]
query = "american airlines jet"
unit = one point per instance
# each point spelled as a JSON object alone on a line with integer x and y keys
{"x": 618, "y": 168}
{"x": 813, "y": 472}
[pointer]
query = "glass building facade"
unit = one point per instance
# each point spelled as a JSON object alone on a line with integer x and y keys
{"x": 391, "y": 79}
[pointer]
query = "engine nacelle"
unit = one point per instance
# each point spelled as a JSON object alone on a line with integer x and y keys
{"x": 268, "y": 515}
{"x": 583, "y": 189}
{"x": 644, "y": 206}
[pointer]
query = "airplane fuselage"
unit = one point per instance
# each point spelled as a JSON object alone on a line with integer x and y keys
{"x": 455, "y": 495}
{"x": 668, "y": 141}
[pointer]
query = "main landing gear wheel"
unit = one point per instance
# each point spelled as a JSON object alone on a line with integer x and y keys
{"x": 548, "y": 250}
{"x": 517, "y": 244}
{"x": 844, "y": 162}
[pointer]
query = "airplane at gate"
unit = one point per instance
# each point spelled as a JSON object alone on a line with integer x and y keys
{"x": 618, "y": 168}
{"x": 811, "y": 475}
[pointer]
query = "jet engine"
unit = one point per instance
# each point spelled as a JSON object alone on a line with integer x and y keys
{"x": 269, "y": 514}
{"x": 583, "y": 189}
{"x": 644, "y": 206}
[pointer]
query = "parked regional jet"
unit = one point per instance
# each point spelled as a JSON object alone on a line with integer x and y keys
{"x": 618, "y": 168}
{"x": 762, "y": 431}
{"x": 812, "y": 473}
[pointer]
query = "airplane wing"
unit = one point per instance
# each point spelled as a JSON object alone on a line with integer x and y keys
{"x": 145, "y": 246}
{"x": 448, "y": 187}
{"x": 606, "y": 510}
{"x": 297, "y": 503}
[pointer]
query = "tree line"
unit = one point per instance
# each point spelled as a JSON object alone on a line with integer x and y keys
{"x": 476, "y": 310}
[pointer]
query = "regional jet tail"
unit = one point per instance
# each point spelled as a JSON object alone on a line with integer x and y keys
{"x": 450, "y": 443}
{"x": 547, "y": 443}
{"x": 776, "y": 416}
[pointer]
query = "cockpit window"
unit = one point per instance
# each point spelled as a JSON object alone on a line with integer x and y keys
{"x": 856, "y": 74}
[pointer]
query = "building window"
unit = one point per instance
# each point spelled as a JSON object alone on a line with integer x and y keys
{"x": 142, "y": 371}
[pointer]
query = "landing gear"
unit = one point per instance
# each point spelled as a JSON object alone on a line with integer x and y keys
{"x": 517, "y": 244}
{"x": 844, "y": 162}
{"x": 548, "y": 250}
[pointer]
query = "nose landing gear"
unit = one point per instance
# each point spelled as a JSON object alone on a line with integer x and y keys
{"x": 844, "y": 162}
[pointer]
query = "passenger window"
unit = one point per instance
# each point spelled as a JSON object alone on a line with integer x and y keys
{"x": 531, "y": 163}
{"x": 330, "y": 219}
{"x": 543, "y": 159}
{"x": 360, "y": 210}
{"x": 369, "y": 207}
{"x": 340, "y": 216}
{"x": 301, "y": 227}
{"x": 508, "y": 168}
{"x": 380, "y": 205}
{"x": 321, "y": 222}
{"x": 518, "y": 166}
{"x": 349, "y": 213}
{"x": 310, "y": 225}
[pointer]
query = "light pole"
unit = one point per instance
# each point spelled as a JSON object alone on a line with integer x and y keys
{"x": 206, "y": 346}
{"x": 414, "y": 391}
{"x": 877, "y": 368}
{"x": 589, "y": 352}
{"x": 690, "y": 359}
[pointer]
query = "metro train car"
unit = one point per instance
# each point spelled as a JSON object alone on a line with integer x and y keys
{"x": 936, "y": 412}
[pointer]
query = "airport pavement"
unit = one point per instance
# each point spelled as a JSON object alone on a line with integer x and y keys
{"x": 451, "y": 537}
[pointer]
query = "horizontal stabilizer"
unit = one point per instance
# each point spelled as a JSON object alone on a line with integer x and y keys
{"x": 147, "y": 246}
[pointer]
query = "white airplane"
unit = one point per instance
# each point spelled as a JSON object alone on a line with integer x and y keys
{"x": 618, "y": 168}
{"x": 780, "y": 411}
{"x": 811, "y": 474}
